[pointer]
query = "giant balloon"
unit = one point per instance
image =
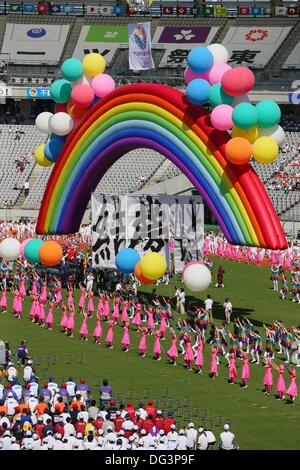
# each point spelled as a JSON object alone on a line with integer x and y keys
{"x": 31, "y": 250}
{"x": 153, "y": 265}
{"x": 238, "y": 81}
{"x": 126, "y": 260}
{"x": 197, "y": 277}
{"x": 42, "y": 122}
{"x": 139, "y": 275}
{"x": 50, "y": 253}
{"x": 10, "y": 249}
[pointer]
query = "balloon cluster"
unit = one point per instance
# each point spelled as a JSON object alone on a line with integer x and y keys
{"x": 255, "y": 129}
{"x": 47, "y": 252}
{"x": 82, "y": 85}
{"x": 147, "y": 269}
{"x": 196, "y": 276}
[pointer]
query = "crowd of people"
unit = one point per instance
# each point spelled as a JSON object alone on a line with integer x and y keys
{"x": 67, "y": 417}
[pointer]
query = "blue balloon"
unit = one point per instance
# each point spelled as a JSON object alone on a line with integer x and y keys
{"x": 31, "y": 250}
{"x": 53, "y": 148}
{"x": 59, "y": 137}
{"x": 126, "y": 260}
{"x": 197, "y": 91}
{"x": 200, "y": 60}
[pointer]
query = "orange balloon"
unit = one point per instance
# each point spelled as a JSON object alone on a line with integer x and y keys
{"x": 74, "y": 111}
{"x": 139, "y": 275}
{"x": 50, "y": 253}
{"x": 238, "y": 150}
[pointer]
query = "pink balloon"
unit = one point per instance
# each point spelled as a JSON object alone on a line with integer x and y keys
{"x": 221, "y": 117}
{"x": 189, "y": 75}
{"x": 82, "y": 95}
{"x": 190, "y": 264}
{"x": 23, "y": 244}
{"x": 238, "y": 81}
{"x": 60, "y": 108}
{"x": 216, "y": 72}
{"x": 103, "y": 84}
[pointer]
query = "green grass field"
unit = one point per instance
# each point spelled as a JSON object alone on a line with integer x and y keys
{"x": 259, "y": 422}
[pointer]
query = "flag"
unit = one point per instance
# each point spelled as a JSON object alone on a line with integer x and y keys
{"x": 42, "y": 8}
{"x": 106, "y": 11}
{"x": 92, "y": 10}
{"x": 256, "y": 11}
{"x": 244, "y": 11}
{"x": 28, "y": 7}
{"x": 119, "y": 10}
{"x": 181, "y": 10}
{"x": 280, "y": 11}
{"x": 292, "y": 11}
{"x": 167, "y": 10}
{"x": 55, "y": 9}
{"x": 267, "y": 11}
{"x": 220, "y": 10}
{"x": 139, "y": 39}
{"x": 67, "y": 8}
{"x": 195, "y": 11}
{"x": 208, "y": 11}
{"x": 15, "y": 7}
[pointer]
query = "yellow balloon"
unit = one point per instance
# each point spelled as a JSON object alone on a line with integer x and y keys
{"x": 153, "y": 265}
{"x": 40, "y": 157}
{"x": 265, "y": 150}
{"x": 93, "y": 64}
{"x": 249, "y": 134}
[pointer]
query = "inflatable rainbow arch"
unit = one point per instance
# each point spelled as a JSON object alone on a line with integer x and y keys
{"x": 158, "y": 117}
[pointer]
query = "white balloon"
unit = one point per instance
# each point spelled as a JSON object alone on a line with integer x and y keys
{"x": 42, "y": 122}
{"x": 61, "y": 123}
{"x": 10, "y": 249}
{"x": 197, "y": 277}
{"x": 240, "y": 99}
{"x": 276, "y": 132}
{"x": 82, "y": 80}
{"x": 219, "y": 52}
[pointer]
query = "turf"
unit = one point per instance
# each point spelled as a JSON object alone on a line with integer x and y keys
{"x": 259, "y": 422}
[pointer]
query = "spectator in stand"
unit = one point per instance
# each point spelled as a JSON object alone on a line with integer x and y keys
{"x": 105, "y": 393}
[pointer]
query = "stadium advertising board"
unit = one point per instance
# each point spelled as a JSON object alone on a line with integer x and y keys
{"x": 254, "y": 45}
{"x": 38, "y": 92}
{"x": 178, "y": 41}
{"x": 34, "y": 42}
{"x": 146, "y": 223}
{"x": 293, "y": 59}
{"x": 103, "y": 39}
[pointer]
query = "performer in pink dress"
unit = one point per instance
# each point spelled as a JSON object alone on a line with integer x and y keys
{"x": 70, "y": 300}
{"x": 49, "y": 319}
{"x": 42, "y": 315}
{"x": 199, "y": 357}
{"x": 100, "y": 306}
{"x": 125, "y": 341}
{"x": 143, "y": 341}
{"x": 245, "y": 370}
{"x": 280, "y": 381}
{"x": 17, "y": 302}
{"x": 98, "y": 330}
{"x": 106, "y": 311}
{"x": 137, "y": 317}
{"x": 43, "y": 296}
{"x": 3, "y": 301}
{"x": 82, "y": 298}
{"x": 268, "y": 377}
{"x": 83, "y": 332}
{"x": 189, "y": 353}
{"x": 91, "y": 307}
{"x": 157, "y": 348}
{"x": 150, "y": 321}
{"x": 71, "y": 322}
{"x": 34, "y": 287}
{"x": 292, "y": 390}
{"x": 110, "y": 334}
{"x": 116, "y": 311}
{"x": 172, "y": 352}
{"x": 58, "y": 295}
{"x": 33, "y": 307}
{"x": 64, "y": 319}
{"x": 214, "y": 363}
{"x": 124, "y": 316}
{"x": 232, "y": 369}
{"x": 22, "y": 287}
{"x": 163, "y": 324}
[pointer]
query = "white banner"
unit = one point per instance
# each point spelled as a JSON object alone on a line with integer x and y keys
{"x": 254, "y": 45}
{"x": 106, "y": 11}
{"x": 34, "y": 42}
{"x": 139, "y": 40}
{"x": 293, "y": 59}
{"x": 146, "y": 223}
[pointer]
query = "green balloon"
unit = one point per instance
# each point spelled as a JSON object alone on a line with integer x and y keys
{"x": 217, "y": 96}
{"x": 72, "y": 69}
{"x": 60, "y": 91}
{"x": 31, "y": 250}
{"x": 244, "y": 116}
{"x": 268, "y": 113}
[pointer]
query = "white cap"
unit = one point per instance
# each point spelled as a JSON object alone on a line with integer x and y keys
{"x": 35, "y": 436}
{"x": 143, "y": 432}
{"x": 181, "y": 432}
{"x": 121, "y": 432}
{"x": 100, "y": 432}
{"x": 161, "y": 432}
{"x": 191, "y": 425}
{"x": 28, "y": 433}
{"x": 13, "y": 439}
{"x": 135, "y": 427}
{"x": 29, "y": 446}
{"x": 10, "y": 394}
{"x": 172, "y": 426}
{"x": 201, "y": 429}
{"x": 159, "y": 412}
{"x": 226, "y": 427}
{"x": 79, "y": 435}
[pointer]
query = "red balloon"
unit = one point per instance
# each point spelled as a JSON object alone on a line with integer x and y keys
{"x": 60, "y": 108}
{"x": 82, "y": 95}
{"x": 139, "y": 275}
{"x": 237, "y": 81}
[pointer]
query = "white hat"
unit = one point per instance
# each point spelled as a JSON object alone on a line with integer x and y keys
{"x": 118, "y": 413}
{"x": 135, "y": 427}
{"x": 29, "y": 446}
{"x": 226, "y": 427}
{"x": 181, "y": 432}
{"x": 161, "y": 432}
{"x": 138, "y": 413}
{"x": 10, "y": 394}
{"x": 28, "y": 433}
{"x": 121, "y": 432}
{"x": 100, "y": 432}
{"x": 58, "y": 436}
{"x": 143, "y": 431}
{"x": 159, "y": 412}
{"x": 201, "y": 429}
{"x": 10, "y": 364}
{"x": 35, "y": 436}
{"x": 99, "y": 415}
{"x": 79, "y": 435}
{"x": 13, "y": 439}
{"x": 172, "y": 426}
{"x": 29, "y": 362}
{"x": 191, "y": 425}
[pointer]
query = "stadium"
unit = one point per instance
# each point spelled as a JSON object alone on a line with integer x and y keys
{"x": 149, "y": 218}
